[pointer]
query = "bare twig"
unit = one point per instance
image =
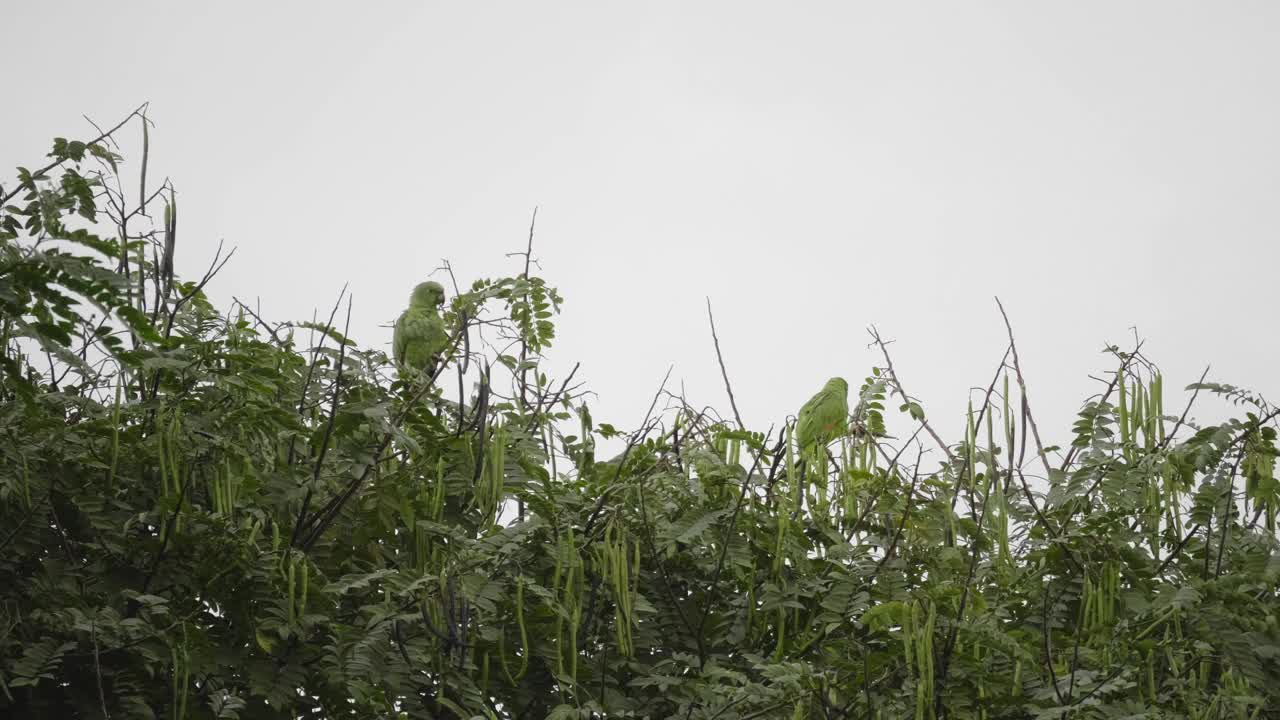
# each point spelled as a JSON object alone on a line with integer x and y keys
{"x": 1106, "y": 394}
{"x": 258, "y": 319}
{"x": 1177, "y": 550}
{"x": 9, "y": 195}
{"x": 1183, "y": 418}
{"x": 524, "y": 341}
{"x": 1022, "y": 388}
{"x": 214, "y": 267}
{"x": 555, "y": 397}
{"x": 982, "y": 413}
{"x": 311, "y": 366}
{"x": 328, "y": 428}
{"x": 906, "y": 515}
{"x": 733, "y": 403}
{"x": 897, "y": 386}
{"x": 636, "y": 438}
{"x": 1226, "y": 515}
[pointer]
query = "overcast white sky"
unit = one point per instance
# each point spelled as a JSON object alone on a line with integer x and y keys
{"x": 812, "y": 167}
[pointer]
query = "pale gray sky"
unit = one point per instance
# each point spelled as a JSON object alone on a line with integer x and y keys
{"x": 813, "y": 167}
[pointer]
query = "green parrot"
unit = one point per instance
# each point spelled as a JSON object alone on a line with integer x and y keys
{"x": 420, "y": 337}
{"x": 825, "y": 417}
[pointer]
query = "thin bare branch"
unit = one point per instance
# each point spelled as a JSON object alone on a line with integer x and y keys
{"x": 1022, "y": 388}
{"x": 897, "y": 387}
{"x": 733, "y": 402}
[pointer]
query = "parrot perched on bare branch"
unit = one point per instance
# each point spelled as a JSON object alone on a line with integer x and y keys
{"x": 825, "y": 417}
{"x": 420, "y": 338}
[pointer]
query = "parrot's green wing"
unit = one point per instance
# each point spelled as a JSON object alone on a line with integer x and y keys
{"x": 825, "y": 415}
{"x": 419, "y": 339}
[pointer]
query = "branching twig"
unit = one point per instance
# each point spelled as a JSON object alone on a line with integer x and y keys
{"x": 1183, "y": 418}
{"x": 897, "y": 386}
{"x": 311, "y": 366}
{"x": 9, "y": 195}
{"x": 328, "y": 428}
{"x": 1022, "y": 388}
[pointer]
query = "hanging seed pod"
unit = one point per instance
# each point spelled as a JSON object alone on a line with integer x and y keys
{"x": 1139, "y": 414}
{"x": 908, "y": 637}
{"x": 1087, "y": 605}
{"x": 781, "y": 625}
{"x": 1123, "y": 411}
{"x": 524, "y": 633}
{"x": 115, "y": 445}
{"x": 970, "y": 439}
{"x": 289, "y": 596}
{"x": 1158, "y": 383}
{"x": 302, "y": 594}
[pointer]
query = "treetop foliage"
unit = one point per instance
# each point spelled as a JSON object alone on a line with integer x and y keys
{"x": 208, "y": 514}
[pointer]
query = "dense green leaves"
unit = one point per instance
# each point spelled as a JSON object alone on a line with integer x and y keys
{"x": 205, "y": 514}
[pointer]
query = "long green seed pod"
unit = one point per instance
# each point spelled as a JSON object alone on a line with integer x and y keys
{"x": 163, "y": 458}
{"x": 524, "y": 635}
{"x": 26, "y": 483}
{"x": 1123, "y": 411}
{"x": 1139, "y": 415}
{"x": 174, "y": 681}
{"x": 290, "y": 572}
{"x": 1005, "y": 414}
{"x": 635, "y": 579}
{"x": 1151, "y": 676}
{"x": 1159, "y": 402}
{"x": 1086, "y": 604}
{"x": 186, "y": 676}
{"x": 175, "y": 466}
{"x": 572, "y": 603}
{"x": 928, "y": 643}
{"x": 233, "y": 488}
{"x": 1101, "y": 598}
{"x": 115, "y": 438}
{"x": 215, "y": 492}
{"x": 560, "y": 600}
{"x": 782, "y": 634}
{"x": 993, "y": 483}
{"x": 302, "y": 595}
{"x": 970, "y": 439}
{"x": 783, "y": 503}
{"x": 1154, "y": 512}
{"x": 909, "y": 639}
